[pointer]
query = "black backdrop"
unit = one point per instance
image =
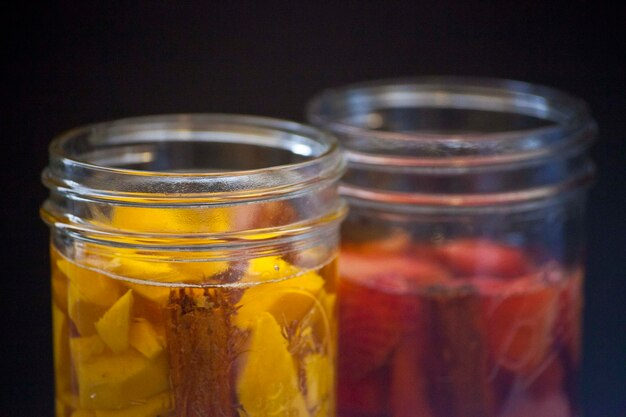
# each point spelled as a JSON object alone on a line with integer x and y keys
{"x": 71, "y": 63}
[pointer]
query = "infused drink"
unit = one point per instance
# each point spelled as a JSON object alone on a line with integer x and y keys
{"x": 462, "y": 255}
{"x": 194, "y": 268}
{"x": 465, "y": 328}
{"x": 125, "y": 347}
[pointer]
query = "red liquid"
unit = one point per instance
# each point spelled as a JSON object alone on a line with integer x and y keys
{"x": 469, "y": 329}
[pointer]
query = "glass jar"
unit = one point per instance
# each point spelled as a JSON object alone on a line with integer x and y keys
{"x": 193, "y": 267}
{"x": 462, "y": 257}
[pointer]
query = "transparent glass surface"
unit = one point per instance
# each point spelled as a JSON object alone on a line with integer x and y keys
{"x": 194, "y": 267}
{"x": 462, "y": 257}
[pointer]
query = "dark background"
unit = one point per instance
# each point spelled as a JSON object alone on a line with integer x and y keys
{"x": 72, "y": 63}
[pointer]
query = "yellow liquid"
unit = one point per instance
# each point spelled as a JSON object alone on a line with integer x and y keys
{"x": 134, "y": 338}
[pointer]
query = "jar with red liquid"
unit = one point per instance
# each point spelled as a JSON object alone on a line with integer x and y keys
{"x": 463, "y": 254}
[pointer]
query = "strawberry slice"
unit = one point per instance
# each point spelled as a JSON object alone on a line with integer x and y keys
{"x": 364, "y": 398}
{"x": 552, "y": 405}
{"x": 568, "y": 328}
{"x": 392, "y": 243}
{"x": 411, "y": 270}
{"x": 378, "y": 305}
{"x": 549, "y": 380}
{"x": 472, "y": 257}
{"x": 371, "y": 323}
{"x": 519, "y": 320}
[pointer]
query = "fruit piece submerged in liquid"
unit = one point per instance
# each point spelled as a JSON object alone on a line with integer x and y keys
{"x": 466, "y": 329}
{"x": 128, "y": 348}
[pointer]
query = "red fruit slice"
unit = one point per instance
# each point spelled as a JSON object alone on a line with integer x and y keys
{"x": 568, "y": 328}
{"x": 364, "y": 398}
{"x": 553, "y": 405}
{"x": 472, "y": 257}
{"x": 377, "y": 306}
{"x": 393, "y": 243}
{"x": 549, "y": 380}
{"x": 520, "y": 320}
{"x": 408, "y": 396}
{"x": 371, "y": 323}
{"x": 410, "y": 271}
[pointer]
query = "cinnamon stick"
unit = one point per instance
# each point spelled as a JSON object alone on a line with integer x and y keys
{"x": 203, "y": 344}
{"x": 457, "y": 358}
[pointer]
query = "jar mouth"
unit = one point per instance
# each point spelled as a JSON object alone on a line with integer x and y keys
{"x": 183, "y": 157}
{"x": 451, "y": 121}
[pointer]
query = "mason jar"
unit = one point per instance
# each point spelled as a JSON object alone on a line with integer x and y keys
{"x": 194, "y": 267}
{"x": 462, "y": 257}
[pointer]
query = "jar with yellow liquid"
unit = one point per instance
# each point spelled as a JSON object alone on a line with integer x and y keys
{"x": 193, "y": 267}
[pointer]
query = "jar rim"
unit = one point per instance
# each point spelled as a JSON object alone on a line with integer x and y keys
{"x": 569, "y": 118}
{"x": 321, "y": 159}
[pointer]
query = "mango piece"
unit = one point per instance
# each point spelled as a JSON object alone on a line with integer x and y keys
{"x": 148, "y": 271}
{"x": 114, "y": 324}
{"x": 60, "y": 337}
{"x": 152, "y": 407}
{"x": 268, "y": 381}
{"x": 145, "y": 338}
{"x": 119, "y": 381}
{"x": 59, "y": 409}
{"x": 85, "y": 348}
{"x": 288, "y": 300}
{"x": 62, "y": 362}
{"x": 83, "y": 314}
{"x": 89, "y": 295}
{"x": 164, "y": 272}
{"x": 93, "y": 286}
{"x": 171, "y": 220}
{"x": 68, "y": 400}
{"x": 199, "y": 271}
{"x": 83, "y": 413}
{"x": 59, "y": 289}
{"x": 325, "y": 320}
{"x": 144, "y": 269}
{"x": 320, "y": 383}
{"x": 269, "y": 268}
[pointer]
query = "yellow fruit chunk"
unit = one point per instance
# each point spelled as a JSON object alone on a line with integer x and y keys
{"x": 93, "y": 286}
{"x": 119, "y": 381}
{"x": 85, "y": 348}
{"x": 152, "y": 407}
{"x": 268, "y": 382}
{"x": 68, "y": 400}
{"x": 62, "y": 362}
{"x": 60, "y": 410}
{"x": 199, "y": 271}
{"x": 148, "y": 271}
{"x": 143, "y": 269}
{"x": 60, "y": 337}
{"x": 59, "y": 289}
{"x": 89, "y": 295}
{"x": 269, "y": 268}
{"x": 320, "y": 382}
{"x": 171, "y": 220}
{"x": 325, "y": 321}
{"x": 145, "y": 338}
{"x": 164, "y": 272}
{"x": 114, "y": 324}
{"x": 83, "y": 413}
{"x": 288, "y": 300}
